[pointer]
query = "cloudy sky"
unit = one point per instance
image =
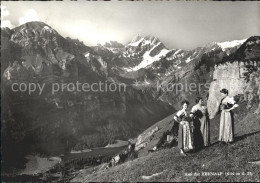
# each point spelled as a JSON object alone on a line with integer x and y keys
{"x": 185, "y": 25}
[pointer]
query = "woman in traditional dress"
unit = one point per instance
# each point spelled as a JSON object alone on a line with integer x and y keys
{"x": 200, "y": 117}
{"x": 184, "y": 134}
{"x": 226, "y": 127}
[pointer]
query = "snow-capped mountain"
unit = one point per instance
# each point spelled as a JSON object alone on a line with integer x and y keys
{"x": 230, "y": 44}
{"x": 248, "y": 51}
{"x": 180, "y": 56}
{"x": 145, "y": 52}
{"x": 145, "y": 58}
{"x": 137, "y": 54}
{"x": 154, "y": 67}
{"x": 148, "y": 48}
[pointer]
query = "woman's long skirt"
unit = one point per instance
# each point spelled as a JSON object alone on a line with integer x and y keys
{"x": 185, "y": 137}
{"x": 226, "y": 127}
{"x": 205, "y": 130}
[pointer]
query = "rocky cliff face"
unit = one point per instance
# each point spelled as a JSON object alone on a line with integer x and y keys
{"x": 37, "y": 47}
{"x": 229, "y": 75}
{"x": 239, "y": 73}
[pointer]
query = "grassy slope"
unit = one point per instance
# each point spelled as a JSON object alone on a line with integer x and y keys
{"x": 216, "y": 158}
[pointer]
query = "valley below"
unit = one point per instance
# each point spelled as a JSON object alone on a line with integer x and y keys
{"x": 61, "y": 168}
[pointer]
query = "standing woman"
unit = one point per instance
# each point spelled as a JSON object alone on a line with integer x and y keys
{"x": 226, "y": 127}
{"x": 184, "y": 134}
{"x": 200, "y": 117}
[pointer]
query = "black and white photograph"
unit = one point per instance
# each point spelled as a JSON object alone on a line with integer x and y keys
{"x": 130, "y": 91}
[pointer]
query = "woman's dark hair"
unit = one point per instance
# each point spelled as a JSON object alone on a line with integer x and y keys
{"x": 225, "y": 91}
{"x": 198, "y": 99}
{"x": 185, "y": 102}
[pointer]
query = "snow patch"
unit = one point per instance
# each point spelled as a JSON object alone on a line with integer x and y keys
{"x": 114, "y": 50}
{"x": 230, "y": 44}
{"x": 46, "y": 27}
{"x": 103, "y": 64}
{"x": 146, "y": 42}
{"x": 128, "y": 69}
{"x": 188, "y": 60}
{"x": 148, "y": 60}
{"x": 174, "y": 55}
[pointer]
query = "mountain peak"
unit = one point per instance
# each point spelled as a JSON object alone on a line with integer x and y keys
{"x": 33, "y": 29}
{"x": 152, "y": 38}
{"x": 136, "y": 38}
{"x": 144, "y": 40}
{"x": 32, "y": 25}
{"x": 224, "y": 46}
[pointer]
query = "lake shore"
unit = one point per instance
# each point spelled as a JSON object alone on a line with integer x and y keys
{"x": 38, "y": 164}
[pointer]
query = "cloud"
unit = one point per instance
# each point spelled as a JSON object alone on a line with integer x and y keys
{"x": 29, "y": 15}
{"x": 7, "y": 23}
{"x": 4, "y": 22}
{"x": 4, "y": 12}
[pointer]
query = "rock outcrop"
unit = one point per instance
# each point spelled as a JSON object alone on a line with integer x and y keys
{"x": 231, "y": 76}
{"x": 141, "y": 140}
{"x": 239, "y": 73}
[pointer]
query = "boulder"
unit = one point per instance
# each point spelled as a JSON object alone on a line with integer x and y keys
{"x": 143, "y": 137}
